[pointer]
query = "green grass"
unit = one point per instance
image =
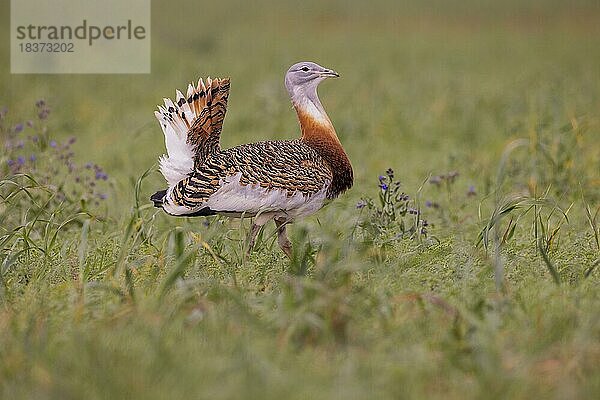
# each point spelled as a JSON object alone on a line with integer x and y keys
{"x": 499, "y": 300}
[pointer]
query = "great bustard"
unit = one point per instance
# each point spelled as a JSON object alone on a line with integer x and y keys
{"x": 279, "y": 180}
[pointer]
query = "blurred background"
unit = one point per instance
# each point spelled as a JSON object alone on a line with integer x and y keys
{"x": 426, "y": 85}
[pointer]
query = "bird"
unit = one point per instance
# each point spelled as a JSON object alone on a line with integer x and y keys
{"x": 279, "y": 180}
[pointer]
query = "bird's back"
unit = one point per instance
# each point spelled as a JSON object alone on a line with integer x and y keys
{"x": 288, "y": 165}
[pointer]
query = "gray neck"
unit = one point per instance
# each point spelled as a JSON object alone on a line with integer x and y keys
{"x": 305, "y": 95}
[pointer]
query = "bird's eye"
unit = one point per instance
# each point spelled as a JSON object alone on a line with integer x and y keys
{"x": 305, "y": 69}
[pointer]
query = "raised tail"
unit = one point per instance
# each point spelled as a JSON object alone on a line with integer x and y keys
{"x": 192, "y": 127}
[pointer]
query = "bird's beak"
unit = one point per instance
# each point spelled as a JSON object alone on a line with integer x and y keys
{"x": 329, "y": 73}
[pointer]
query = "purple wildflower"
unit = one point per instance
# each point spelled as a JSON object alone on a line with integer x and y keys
{"x": 383, "y": 186}
{"x": 101, "y": 175}
{"x": 20, "y": 160}
{"x": 88, "y": 165}
{"x": 471, "y": 191}
{"x": 10, "y": 163}
{"x": 32, "y": 158}
{"x": 40, "y": 103}
{"x": 53, "y": 143}
{"x": 102, "y": 196}
{"x": 381, "y": 178}
{"x": 18, "y": 128}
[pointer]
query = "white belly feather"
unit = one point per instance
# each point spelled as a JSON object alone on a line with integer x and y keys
{"x": 235, "y": 199}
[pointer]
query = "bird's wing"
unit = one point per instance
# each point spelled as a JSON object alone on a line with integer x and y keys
{"x": 285, "y": 176}
{"x": 192, "y": 127}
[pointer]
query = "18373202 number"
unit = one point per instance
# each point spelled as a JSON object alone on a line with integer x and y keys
{"x": 42, "y": 47}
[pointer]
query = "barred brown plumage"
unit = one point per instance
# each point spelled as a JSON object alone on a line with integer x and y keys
{"x": 280, "y": 180}
{"x": 293, "y": 167}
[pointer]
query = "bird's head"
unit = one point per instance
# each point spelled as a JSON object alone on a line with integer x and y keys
{"x": 306, "y": 75}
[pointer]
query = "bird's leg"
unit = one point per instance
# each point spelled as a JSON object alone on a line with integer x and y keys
{"x": 259, "y": 221}
{"x": 252, "y": 237}
{"x": 282, "y": 238}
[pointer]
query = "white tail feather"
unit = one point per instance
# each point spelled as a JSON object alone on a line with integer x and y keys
{"x": 175, "y": 120}
{"x": 178, "y": 162}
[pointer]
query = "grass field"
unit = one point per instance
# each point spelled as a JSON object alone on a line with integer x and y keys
{"x": 487, "y": 112}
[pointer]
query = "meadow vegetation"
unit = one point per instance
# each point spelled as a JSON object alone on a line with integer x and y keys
{"x": 464, "y": 263}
